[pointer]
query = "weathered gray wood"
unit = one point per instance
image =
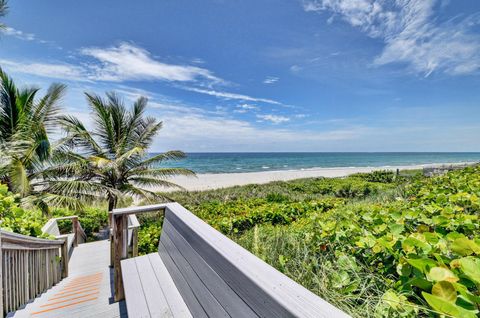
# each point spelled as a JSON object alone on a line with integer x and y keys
{"x": 141, "y": 209}
{"x": 22, "y": 278}
{"x": 137, "y": 304}
{"x": 267, "y": 291}
{"x": 1, "y": 277}
{"x": 156, "y": 301}
{"x": 210, "y": 304}
{"x": 175, "y": 301}
{"x": 120, "y": 252}
{"x": 223, "y": 293}
{"x": 188, "y": 296}
{"x": 88, "y": 263}
{"x": 65, "y": 259}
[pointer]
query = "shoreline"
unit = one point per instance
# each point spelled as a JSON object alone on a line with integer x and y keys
{"x": 211, "y": 181}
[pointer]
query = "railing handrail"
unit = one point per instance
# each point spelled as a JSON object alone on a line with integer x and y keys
{"x": 77, "y": 228}
{"x": 140, "y": 209}
{"x": 133, "y": 222}
{"x": 21, "y": 239}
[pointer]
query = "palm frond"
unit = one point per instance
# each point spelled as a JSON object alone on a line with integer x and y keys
{"x": 103, "y": 122}
{"x": 19, "y": 177}
{"x": 153, "y": 182}
{"x": 139, "y": 192}
{"x": 47, "y": 109}
{"x": 135, "y": 119}
{"x": 161, "y": 173}
{"x": 78, "y": 136}
{"x": 162, "y": 157}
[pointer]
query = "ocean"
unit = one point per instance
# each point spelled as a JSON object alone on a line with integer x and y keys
{"x": 251, "y": 162}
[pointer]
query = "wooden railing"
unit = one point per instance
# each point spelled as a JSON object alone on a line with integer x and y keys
{"x": 132, "y": 236}
{"x": 133, "y": 227}
{"x": 75, "y": 237}
{"x": 123, "y": 222}
{"x": 28, "y": 267}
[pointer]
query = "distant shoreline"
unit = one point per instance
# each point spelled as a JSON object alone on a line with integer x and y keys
{"x": 210, "y": 181}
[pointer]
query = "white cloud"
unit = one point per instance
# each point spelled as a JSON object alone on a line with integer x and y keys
{"x": 295, "y": 68}
{"x": 274, "y": 118}
{"x": 210, "y": 133}
{"x": 18, "y": 34}
{"x": 130, "y": 62}
{"x": 227, "y": 95}
{"x": 412, "y": 33}
{"x": 244, "y": 108}
{"x": 51, "y": 70}
{"x": 124, "y": 62}
{"x": 270, "y": 80}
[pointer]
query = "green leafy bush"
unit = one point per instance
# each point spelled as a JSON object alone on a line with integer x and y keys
{"x": 382, "y": 176}
{"x": 16, "y": 219}
{"x": 372, "y": 245}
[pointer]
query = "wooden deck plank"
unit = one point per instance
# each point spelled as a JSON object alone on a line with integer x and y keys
{"x": 209, "y": 303}
{"x": 154, "y": 296}
{"x": 181, "y": 284}
{"x": 137, "y": 304}
{"x": 175, "y": 301}
{"x": 223, "y": 293}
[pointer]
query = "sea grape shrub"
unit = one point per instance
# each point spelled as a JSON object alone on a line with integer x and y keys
{"x": 416, "y": 252}
{"x": 427, "y": 247}
{"x": 343, "y": 188}
{"x": 148, "y": 238}
{"x": 16, "y": 219}
{"x": 277, "y": 197}
{"x": 239, "y": 216}
{"x": 381, "y": 176}
{"x": 92, "y": 218}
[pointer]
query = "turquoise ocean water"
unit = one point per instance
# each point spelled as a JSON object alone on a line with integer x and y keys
{"x": 249, "y": 162}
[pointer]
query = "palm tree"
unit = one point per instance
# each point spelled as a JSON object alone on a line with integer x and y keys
{"x": 111, "y": 160}
{"x": 25, "y": 123}
{"x": 3, "y": 11}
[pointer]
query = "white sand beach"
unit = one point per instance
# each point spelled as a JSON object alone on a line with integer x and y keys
{"x": 210, "y": 181}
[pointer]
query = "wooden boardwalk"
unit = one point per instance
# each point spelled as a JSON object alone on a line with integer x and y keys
{"x": 86, "y": 292}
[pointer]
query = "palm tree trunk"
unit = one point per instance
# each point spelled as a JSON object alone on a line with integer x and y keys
{"x": 112, "y": 203}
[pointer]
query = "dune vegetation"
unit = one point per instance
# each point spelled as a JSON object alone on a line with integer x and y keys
{"x": 375, "y": 245}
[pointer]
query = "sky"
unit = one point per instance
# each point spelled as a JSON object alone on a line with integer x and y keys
{"x": 264, "y": 75}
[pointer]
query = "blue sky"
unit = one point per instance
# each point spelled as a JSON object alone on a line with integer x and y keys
{"x": 265, "y": 75}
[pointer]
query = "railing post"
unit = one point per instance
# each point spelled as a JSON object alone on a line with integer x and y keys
{"x": 1, "y": 275}
{"x": 65, "y": 258}
{"x": 75, "y": 231}
{"x": 110, "y": 236}
{"x": 135, "y": 242}
{"x": 120, "y": 225}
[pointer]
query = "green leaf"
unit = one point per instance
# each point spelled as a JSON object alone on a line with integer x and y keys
{"x": 463, "y": 290}
{"x": 410, "y": 243}
{"x": 463, "y": 246}
{"x": 340, "y": 279}
{"x": 445, "y": 290}
{"x": 439, "y": 273}
{"x": 471, "y": 268}
{"x": 391, "y": 298}
{"x": 422, "y": 264}
{"x": 445, "y": 307}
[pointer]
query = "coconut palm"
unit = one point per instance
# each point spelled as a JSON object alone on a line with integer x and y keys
{"x": 3, "y": 11}
{"x": 25, "y": 123}
{"x": 111, "y": 159}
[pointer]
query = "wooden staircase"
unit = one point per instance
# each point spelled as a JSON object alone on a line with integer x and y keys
{"x": 87, "y": 292}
